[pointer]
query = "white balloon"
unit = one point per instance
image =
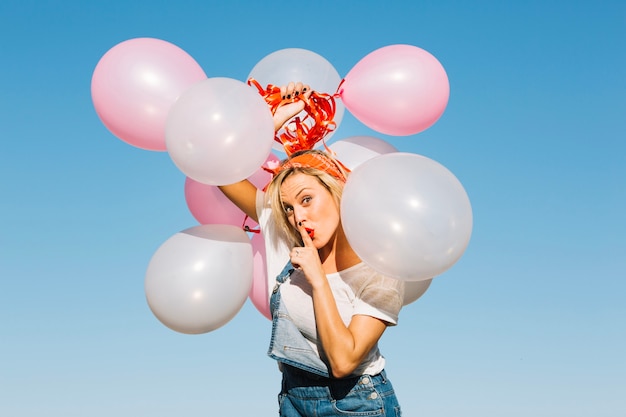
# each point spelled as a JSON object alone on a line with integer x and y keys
{"x": 355, "y": 150}
{"x": 406, "y": 216}
{"x": 219, "y": 131}
{"x": 199, "y": 278}
{"x": 296, "y": 64}
{"x": 414, "y": 290}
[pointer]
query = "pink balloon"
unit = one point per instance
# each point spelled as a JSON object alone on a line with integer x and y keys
{"x": 397, "y": 90}
{"x": 259, "y": 293}
{"x": 209, "y": 205}
{"x": 134, "y": 85}
{"x": 261, "y": 177}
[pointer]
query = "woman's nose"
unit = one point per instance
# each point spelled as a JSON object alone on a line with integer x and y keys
{"x": 298, "y": 216}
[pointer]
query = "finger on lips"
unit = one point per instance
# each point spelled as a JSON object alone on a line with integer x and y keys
{"x": 304, "y": 233}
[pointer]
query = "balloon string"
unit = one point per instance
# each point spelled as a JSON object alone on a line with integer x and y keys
{"x": 339, "y": 89}
{"x": 301, "y": 134}
{"x": 247, "y": 228}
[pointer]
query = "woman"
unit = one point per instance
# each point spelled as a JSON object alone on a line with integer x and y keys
{"x": 329, "y": 309}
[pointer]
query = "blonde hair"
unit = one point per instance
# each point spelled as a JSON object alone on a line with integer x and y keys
{"x": 331, "y": 183}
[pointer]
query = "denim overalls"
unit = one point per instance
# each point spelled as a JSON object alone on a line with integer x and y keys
{"x": 315, "y": 392}
{"x": 287, "y": 344}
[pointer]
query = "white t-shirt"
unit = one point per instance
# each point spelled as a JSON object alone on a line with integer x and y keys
{"x": 358, "y": 290}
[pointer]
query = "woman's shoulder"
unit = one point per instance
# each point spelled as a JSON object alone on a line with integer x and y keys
{"x": 361, "y": 274}
{"x": 378, "y": 295}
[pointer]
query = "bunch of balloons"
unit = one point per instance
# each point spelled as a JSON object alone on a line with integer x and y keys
{"x": 405, "y": 215}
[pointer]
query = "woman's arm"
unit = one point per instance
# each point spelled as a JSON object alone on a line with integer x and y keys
{"x": 243, "y": 193}
{"x": 345, "y": 346}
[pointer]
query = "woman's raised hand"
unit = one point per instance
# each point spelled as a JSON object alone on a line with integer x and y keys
{"x": 294, "y": 96}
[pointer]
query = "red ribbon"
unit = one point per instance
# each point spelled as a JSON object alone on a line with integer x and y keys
{"x": 301, "y": 134}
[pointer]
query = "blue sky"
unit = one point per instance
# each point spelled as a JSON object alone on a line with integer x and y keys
{"x": 530, "y": 321}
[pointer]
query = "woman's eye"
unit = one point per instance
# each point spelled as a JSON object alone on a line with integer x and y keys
{"x": 288, "y": 210}
{"x": 306, "y": 199}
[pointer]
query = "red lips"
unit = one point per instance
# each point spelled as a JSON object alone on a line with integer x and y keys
{"x": 310, "y": 232}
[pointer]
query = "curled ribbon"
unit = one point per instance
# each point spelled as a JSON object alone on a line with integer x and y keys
{"x": 301, "y": 134}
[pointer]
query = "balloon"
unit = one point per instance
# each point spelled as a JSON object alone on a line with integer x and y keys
{"x": 259, "y": 294}
{"x": 209, "y": 205}
{"x": 414, "y": 290}
{"x": 134, "y": 85}
{"x": 355, "y": 150}
{"x": 261, "y": 177}
{"x": 295, "y": 64}
{"x": 199, "y": 278}
{"x": 220, "y": 131}
{"x": 396, "y": 90}
{"x": 406, "y": 216}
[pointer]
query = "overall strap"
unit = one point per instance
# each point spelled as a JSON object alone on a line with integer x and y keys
{"x": 287, "y": 270}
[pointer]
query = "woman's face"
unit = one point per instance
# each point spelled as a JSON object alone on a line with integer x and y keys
{"x": 306, "y": 200}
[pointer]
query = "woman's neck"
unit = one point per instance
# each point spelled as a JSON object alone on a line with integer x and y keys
{"x": 338, "y": 255}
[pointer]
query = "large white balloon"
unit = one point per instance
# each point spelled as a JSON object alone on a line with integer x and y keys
{"x": 199, "y": 278}
{"x": 355, "y": 150}
{"x": 296, "y": 64}
{"x": 219, "y": 131}
{"x": 406, "y": 216}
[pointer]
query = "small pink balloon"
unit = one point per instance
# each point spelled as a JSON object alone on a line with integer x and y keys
{"x": 259, "y": 293}
{"x": 209, "y": 205}
{"x": 261, "y": 177}
{"x": 134, "y": 85}
{"x": 397, "y": 90}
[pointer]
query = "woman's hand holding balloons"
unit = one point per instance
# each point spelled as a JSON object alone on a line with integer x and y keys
{"x": 286, "y": 65}
{"x": 298, "y": 93}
